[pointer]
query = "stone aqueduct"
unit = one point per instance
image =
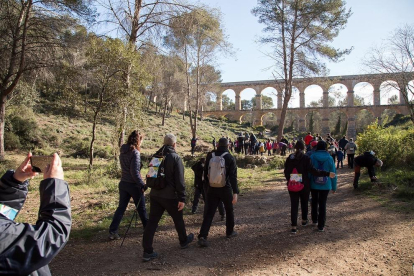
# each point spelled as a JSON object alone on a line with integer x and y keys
{"x": 301, "y": 84}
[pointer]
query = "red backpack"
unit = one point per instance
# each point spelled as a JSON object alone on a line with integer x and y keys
{"x": 295, "y": 182}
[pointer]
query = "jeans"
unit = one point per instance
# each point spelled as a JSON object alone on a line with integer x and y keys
{"x": 294, "y": 205}
{"x": 351, "y": 160}
{"x": 342, "y": 164}
{"x": 214, "y": 196}
{"x": 126, "y": 191}
{"x": 157, "y": 207}
{"x": 319, "y": 198}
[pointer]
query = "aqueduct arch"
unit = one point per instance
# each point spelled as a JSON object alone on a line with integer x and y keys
{"x": 301, "y": 84}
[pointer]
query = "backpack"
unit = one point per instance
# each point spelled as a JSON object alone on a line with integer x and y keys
{"x": 295, "y": 182}
{"x": 155, "y": 175}
{"x": 217, "y": 171}
{"x": 320, "y": 180}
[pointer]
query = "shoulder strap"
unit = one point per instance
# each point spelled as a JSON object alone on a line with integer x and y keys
{"x": 213, "y": 154}
{"x": 223, "y": 154}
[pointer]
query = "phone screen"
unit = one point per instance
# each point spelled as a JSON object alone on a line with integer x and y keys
{"x": 39, "y": 162}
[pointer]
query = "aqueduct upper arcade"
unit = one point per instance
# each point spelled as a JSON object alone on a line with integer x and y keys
{"x": 301, "y": 84}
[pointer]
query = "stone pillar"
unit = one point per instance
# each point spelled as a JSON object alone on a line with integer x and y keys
{"x": 279, "y": 100}
{"x": 402, "y": 101}
{"x": 259, "y": 102}
{"x": 302, "y": 99}
{"x": 379, "y": 121}
{"x": 377, "y": 96}
{"x": 302, "y": 124}
{"x": 325, "y": 127}
{"x": 220, "y": 102}
{"x": 238, "y": 102}
{"x": 325, "y": 99}
{"x": 350, "y": 97}
{"x": 257, "y": 119}
{"x": 351, "y": 131}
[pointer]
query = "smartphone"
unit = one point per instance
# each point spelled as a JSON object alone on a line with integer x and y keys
{"x": 39, "y": 162}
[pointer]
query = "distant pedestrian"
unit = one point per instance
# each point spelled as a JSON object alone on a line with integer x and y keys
{"x": 369, "y": 161}
{"x": 350, "y": 149}
{"x": 193, "y": 145}
{"x": 340, "y": 158}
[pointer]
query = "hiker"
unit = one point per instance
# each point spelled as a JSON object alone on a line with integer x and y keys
{"x": 312, "y": 149}
{"x": 193, "y": 145}
{"x": 246, "y": 146}
{"x": 342, "y": 143}
{"x": 261, "y": 148}
{"x": 27, "y": 249}
{"x": 350, "y": 149}
{"x": 340, "y": 158}
{"x": 320, "y": 186}
{"x": 269, "y": 147}
{"x": 303, "y": 165}
{"x": 131, "y": 184}
{"x": 368, "y": 160}
{"x": 221, "y": 184}
{"x": 308, "y": 139}
{"x": 170, "y": 198}
{"x": 214, "y": 143}
{"x": 198, "y": 169}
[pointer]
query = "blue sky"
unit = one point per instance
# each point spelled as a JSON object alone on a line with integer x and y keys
{"x": 371, "y": 23}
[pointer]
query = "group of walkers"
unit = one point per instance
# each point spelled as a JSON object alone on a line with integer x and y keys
{"x": 219, "y": 189}
{"x": 312, "y": 166}
{"x": 309, "y": 171}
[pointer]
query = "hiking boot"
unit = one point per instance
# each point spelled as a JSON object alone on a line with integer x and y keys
{"x": 232, "y": 235}
{"x": 190, "y": 238}
{"x": 149, "y": 256}
{"x": 293, "y": 231}
{"x": 321, "y": 229}
{"x": 304, "y": 222}
{"x": 202, "y": 242}
{"x": 314, "y": 223}
{"x": 114, "y": 236}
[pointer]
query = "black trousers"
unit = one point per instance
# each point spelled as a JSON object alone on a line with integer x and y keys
{"x": 351, "y": 160}
{"x": 214, "y": 196}
{"x": 319, "y": 198}
{"x": 303, "y": 196}
{"x": 197, "y": 193}
{"x": 157, "y": 207}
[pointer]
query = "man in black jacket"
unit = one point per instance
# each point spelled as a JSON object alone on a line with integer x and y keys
{"x": 227, "y": 194}
{"x": 28, "y": 249}
{"x": 170, "y": 198}
{"x": 368, "y": 160}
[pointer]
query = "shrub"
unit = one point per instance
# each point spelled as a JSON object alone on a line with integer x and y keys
{"x": 394, "y": 146}
{"x": 26, "y": 130}
{"x": 277, "y": 163}
{"x": 11, "y": 141}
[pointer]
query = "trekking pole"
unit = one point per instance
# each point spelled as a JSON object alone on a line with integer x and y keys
{"x": 130, "y": 222}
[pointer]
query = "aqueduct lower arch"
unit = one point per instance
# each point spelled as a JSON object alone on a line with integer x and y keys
{"x": 301, "y": 84}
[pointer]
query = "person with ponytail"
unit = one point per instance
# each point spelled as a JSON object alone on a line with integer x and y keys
{"x": 131, "y": 184}
{"x": 303, "y": 165}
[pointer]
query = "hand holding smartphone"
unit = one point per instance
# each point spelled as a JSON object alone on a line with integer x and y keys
{"x": 39, "y": 162}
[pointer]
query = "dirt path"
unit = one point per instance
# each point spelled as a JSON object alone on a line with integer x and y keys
{"x": 361, "y": 238}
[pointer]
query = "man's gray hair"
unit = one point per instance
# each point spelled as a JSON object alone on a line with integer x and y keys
{"x": 170, "y": 139}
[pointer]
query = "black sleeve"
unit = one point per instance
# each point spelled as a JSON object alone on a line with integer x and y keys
{"x": 287, "y": 169}
{"x": 310, "y": 168}
{"x": 232, "y": 174}
{"x": 179, "y": 179}
{"x": 26, "y": 248}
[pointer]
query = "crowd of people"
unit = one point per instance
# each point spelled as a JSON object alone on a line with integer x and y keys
{"x": 310, "y": 171}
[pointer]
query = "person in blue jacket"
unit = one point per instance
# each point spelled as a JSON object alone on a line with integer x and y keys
{"x": 320, "y": 186}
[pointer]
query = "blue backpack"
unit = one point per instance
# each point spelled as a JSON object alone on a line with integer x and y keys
{"x": 320, "y": 180}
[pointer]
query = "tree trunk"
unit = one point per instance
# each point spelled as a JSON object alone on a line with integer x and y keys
{"x": 283, "y": 116}
{"x": 165, "y": 111}
{"x": 92, "y": 140}
{"x": 2, "y": 121}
